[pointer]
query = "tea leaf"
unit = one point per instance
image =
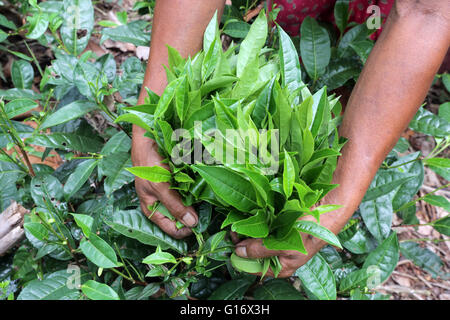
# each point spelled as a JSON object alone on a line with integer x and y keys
{"x": 133, "y": 224}
{"x": 153, "y": 174}
{"x": 277, "y": 289}
{"x": 69, "y": 112}
{"x": 99, "y": 291}
{"x": 99, "y": 252}
{"x": 318, "y": 231}
{"x": 231, "y": 187}
{"x": 385, "y": 257}
{"x": 317, "y": 277}
{"x": 315, "y": 48}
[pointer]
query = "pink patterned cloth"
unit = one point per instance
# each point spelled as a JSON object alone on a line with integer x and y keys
{"x": 294, "y": 11}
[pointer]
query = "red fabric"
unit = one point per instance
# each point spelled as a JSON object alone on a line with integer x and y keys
{"x": 294, "y": 11}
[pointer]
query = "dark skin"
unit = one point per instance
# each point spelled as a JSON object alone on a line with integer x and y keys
{"x": 389, "y": 91}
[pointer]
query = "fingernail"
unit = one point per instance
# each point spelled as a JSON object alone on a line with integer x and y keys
{"x": 189, "y": 220}
{"x": 241, "y": 251}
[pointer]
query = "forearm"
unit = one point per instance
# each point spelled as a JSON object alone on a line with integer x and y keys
{"x": 389, "y": 91}
{"x": 180, "y": 24}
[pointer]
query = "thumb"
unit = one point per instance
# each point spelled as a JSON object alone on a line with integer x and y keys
{"x": 254, "y": 248}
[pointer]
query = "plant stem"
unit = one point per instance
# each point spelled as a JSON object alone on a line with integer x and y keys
{"x": 409, "y": 204}
{"x": 17, "y": 140}
{"x": 424, "y": 239}
{"x": 124, "y": 276}
{"x": 18, "y": 163}
{"x": 400, "y": 165}
{"x": 120, "y": 256}
{"x": 34, "y": 59}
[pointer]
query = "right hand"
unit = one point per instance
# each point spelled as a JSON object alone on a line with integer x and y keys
{"x": 145, "y": 153}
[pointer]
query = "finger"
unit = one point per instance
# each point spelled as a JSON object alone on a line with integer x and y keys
{"x": 172, "y": 201}
{"x": 166, "y": 225}
{"x": 234, "y": 237}
{"x": 169, "y": 226}
{"x": 253, "y": 248}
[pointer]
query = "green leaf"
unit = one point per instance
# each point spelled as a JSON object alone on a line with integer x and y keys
{"x": 338, "y": 73}
{"x": 119, "y": 142}
{"x": 292, "y": 241}
{"x": 85, "y": 222}
{"x": 318, "y": 231}
{"x": 71, "y": 141}
{"x": 134, "y": 224}
{"x": 182, "y": 99}
{"x": 37, "y": 230}
{"x": 246, "y": 265}
{"x": 439, "y": 165}
{"x": 356, "y": 34}
{"x": 237, "y": 29}
{"x": 315, "y": 47}
{"x": 52, "y": 287}
{"x": 211, "y": 33}
{"x": 442, "y": 225}
{"x": 377, "y": 215}
{"x": 288, "y": 175}
{"x": 277, "y": 289}
{"x": 317, "y": 277}
{"x": 45, "y": 187}
{"x": 438, "y": 201}
{"x": 231, "y": 290}
{"x": 255, "y": 226}
{"x": 78, "y": 25}
{"x": 385, "y": 257}
{"x": 290, "y": 63}
{"x": 69, "y": 112}
{"x": 18, "y": 106}
{"x": 319, "y": 107}
{"x": 9, "y": 174}
{"x": 422, "y": 257}
{"x": 446, "y": 81}
{"x": 78, "y": 177}
{"x": 217, "y": 83}
{"x": 359, "y": 242}
{"x": 341, "y": 14}
{"x": 99, "y": 252}
{"x": 99, "y": 291}
{"x": 444, "y": 109}
{"x": 230, "y": 186}
{"x": 141, "y": 119}
{"x": 204, "y": 217}
{"x": 38, "y": 25}
{"x": 133, "y": 32}
{"x": 166, "y": 97}
{"x": 22, "y": 74}
{"x": 384, "y": 182}
{"x": 153, "y": 174}
{"x": 159, "y": 258}
{"x": 7, "y": 23}
{"x": 406, "y": 191}
{"x": 114, "y": 166}
{"x": 426, "y": 122}
{"x": 362, "y": 49}
{"x": 357, "y": 279}
{"x": 252, "y": 44}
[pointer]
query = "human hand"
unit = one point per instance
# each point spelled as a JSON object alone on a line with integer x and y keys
{"x": 290, "y": 260}
{"x": 144, "y": 153}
